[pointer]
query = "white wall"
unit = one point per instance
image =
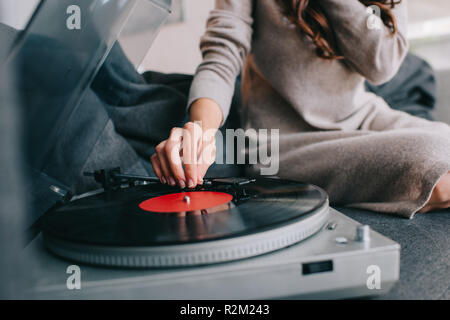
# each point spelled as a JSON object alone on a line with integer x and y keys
{"x": 176, "y": 49}
{"x": 16, "y": 13}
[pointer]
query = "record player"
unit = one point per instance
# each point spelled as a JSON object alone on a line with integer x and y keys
{"x": 231, "y": 238}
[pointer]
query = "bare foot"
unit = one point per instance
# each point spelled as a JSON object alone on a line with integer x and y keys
{"x": 440, "y": 198}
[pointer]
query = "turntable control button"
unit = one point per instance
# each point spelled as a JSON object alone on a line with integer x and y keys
{"x": 331, "y": 225}
{"x": 58, "y": 190}
{"x": 362, "y": 233}
{"x": 341, "y": 240}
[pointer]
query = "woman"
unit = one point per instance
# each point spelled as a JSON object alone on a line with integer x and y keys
{"x": 304, "y": 64}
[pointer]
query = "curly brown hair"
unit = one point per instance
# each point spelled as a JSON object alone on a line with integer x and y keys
{"x": 310, "y": 18}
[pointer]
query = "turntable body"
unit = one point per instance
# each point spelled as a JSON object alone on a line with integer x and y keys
{"x": 329, "y": 265}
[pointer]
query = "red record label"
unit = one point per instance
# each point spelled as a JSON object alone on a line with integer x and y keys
{"x": 186, "y": 201}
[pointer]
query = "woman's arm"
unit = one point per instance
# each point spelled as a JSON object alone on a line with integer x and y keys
{"x": 224, "y": 47}
{"x": 373, "y": 52}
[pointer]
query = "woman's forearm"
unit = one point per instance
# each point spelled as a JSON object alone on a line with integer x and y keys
{"x": 207, "y": 112}
{"x": 224, "y": 46}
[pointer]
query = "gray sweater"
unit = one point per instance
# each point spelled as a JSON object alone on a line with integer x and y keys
{"x": 332, "y": 132}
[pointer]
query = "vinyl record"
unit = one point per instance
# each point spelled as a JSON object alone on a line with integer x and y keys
{"x": 161, "y": 226}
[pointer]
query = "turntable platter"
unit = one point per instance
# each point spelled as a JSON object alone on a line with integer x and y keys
{"x": 159, "y": 226}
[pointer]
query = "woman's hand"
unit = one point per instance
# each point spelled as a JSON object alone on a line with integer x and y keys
{"x": 192, "y": 147}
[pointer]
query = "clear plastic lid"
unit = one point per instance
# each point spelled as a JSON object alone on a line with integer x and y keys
{"x": 58, "y": 54}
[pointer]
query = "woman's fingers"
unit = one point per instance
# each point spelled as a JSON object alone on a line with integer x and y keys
{"x": 172, "y": 151}
{"x": 164, "y": 162}
{"x": 157, "y": 168}
{"x": 189, "y": 146}
{"x": 207, "y": 155}
{"x": 192, "y": 136}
